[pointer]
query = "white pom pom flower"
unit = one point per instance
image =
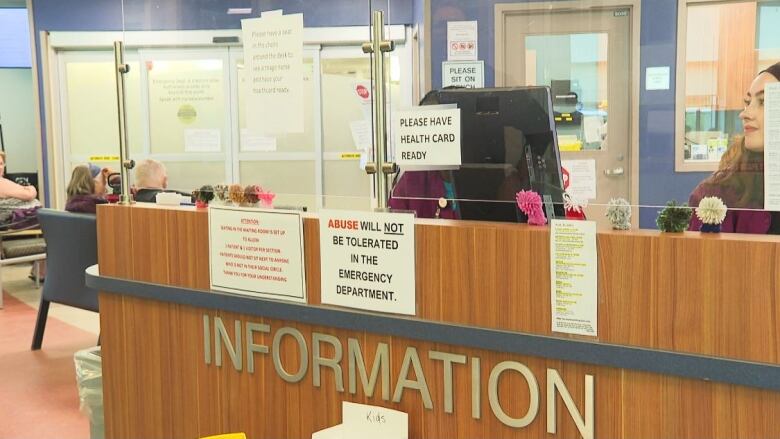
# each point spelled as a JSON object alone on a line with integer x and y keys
{"x": 711, "y": 210}
{"x": 619, "y": 213}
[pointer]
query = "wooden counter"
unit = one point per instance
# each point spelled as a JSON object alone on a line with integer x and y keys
{"x": 681, "y": 294}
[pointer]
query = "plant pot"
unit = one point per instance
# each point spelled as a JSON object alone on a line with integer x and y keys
{"x": 201, "y": 204}
{"x": 710, "y": 228}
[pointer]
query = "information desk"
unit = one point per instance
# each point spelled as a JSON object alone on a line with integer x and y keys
{"x": 688, "y": 338}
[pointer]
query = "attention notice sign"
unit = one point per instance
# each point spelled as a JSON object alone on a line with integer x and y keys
{"x": 426, "y": 137}
{"x": 257, "y": 252}
{"x": 367, "y": 260}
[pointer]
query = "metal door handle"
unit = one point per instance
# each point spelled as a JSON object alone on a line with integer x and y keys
{"x": 614, "y": 172}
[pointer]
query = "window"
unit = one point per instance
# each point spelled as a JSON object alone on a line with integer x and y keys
{"x": 721, "y": 48}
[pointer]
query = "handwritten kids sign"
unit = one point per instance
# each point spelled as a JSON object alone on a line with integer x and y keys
{"x": 367, "y": 260}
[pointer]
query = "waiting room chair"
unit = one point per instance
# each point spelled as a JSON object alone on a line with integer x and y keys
{"x": 19, "y": 246}
{"x": 71, "y": 244}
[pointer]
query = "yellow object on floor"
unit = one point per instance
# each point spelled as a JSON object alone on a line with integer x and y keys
{"x": 227, "y": 436}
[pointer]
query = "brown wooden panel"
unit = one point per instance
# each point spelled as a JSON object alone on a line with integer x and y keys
{"x": 628, "y": 404}
{"x": 714, "y": 295}
{"x": 115, "y": 247}
{"x": 710, "y": 295}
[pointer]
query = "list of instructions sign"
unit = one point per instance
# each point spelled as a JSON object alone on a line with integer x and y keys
{"x": 273, "y": 55}
{"x": 427, "y": 137}
{"x": 367, "y": 260}
{"x": 574, "y": 277}
{"x": 257, "y": 252}
{"x": 772, "y": 147}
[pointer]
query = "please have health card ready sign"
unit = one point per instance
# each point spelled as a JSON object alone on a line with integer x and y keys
{"x": 367, "y": 260}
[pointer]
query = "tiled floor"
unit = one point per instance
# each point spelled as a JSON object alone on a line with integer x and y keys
{"x": 38, "y": 391}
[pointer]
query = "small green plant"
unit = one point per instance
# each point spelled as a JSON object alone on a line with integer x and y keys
{"x": 674, "y": 217}
{"x": 204, "y": 194}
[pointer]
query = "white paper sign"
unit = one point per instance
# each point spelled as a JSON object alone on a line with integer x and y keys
{"x": 273, "y": 54}
{"x": 253, "y": 143}
{"x": 367, "y": 260}
{"x": 574, "y": 277}
{"x": 470, "y": 74}
{"x": 591, "y": 125}
{"x": 580, "y": 178}
{"x": 657, "y": 78}
{"x": 772, "y": 147}
{"x": 361, "y": 134}
{"x": 424, "y": 137}
{"x": 462, "y": 41}
{"x": 257, "y": 252}
{"x": 367, "y": 421}
{"x": 202, "y": 140}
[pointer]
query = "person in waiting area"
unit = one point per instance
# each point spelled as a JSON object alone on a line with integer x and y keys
{"x": 10, "y": 189}
{"x": 14, "y": 196}
{"x": 84, "y": 191}
{"x": 739, "y": 180}
{"x": 151, "y": 178}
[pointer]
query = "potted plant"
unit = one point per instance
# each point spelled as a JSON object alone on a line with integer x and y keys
{"x": 674, "y": 217}
{"x": 203, "y": 196}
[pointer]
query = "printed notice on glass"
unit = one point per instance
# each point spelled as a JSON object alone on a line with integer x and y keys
{"x": 367, "y": 260}
{"x": 462, "y": 41}
{"x": 257, "y": 252}
{"x": 772, "y": 147}
{"x": 574, "y": 277}
{"x": 424, "y": 138}
{"x": 579, "y": 179}
{"x": 273, "y": 55}
{"x": 202, "y": 140}
{"x": 469, "y": 74}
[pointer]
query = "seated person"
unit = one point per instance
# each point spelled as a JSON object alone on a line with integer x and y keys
{"x": 739, "y": 180}
{"x": 10, "y": 189}
{"x": 84, "y": 191}
{"x": 429, "y": 194}
{"x": 151, "y": 178}
{"x": 14, "y": 196}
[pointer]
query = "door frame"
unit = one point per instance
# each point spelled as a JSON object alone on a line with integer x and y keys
{"x": 504, "y": 10}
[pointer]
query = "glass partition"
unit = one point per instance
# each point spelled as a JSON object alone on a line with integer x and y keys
{"x": 650, "y": 102}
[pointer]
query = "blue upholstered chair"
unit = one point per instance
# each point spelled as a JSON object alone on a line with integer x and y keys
{"x": 71, "y": 247}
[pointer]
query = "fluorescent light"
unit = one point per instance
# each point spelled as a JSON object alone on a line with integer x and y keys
{"x": 239, "y": 11}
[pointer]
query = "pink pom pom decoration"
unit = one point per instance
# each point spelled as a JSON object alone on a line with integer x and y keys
{"x": 530, "y": 203}
{"x": 266, "y": 198}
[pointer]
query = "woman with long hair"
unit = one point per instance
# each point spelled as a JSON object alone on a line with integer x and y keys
{"x": 739, "y": 180}
{"x": 83, "y": 193}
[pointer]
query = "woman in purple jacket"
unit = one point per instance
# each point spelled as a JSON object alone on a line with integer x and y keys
{"x": 82, "y": 196}
{"x": 739, "y": 180}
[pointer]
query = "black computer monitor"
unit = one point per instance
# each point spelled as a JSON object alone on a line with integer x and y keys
{"x": 508, "y": 144}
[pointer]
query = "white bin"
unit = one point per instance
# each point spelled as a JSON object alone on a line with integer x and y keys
{"x": 89, "y": 377}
